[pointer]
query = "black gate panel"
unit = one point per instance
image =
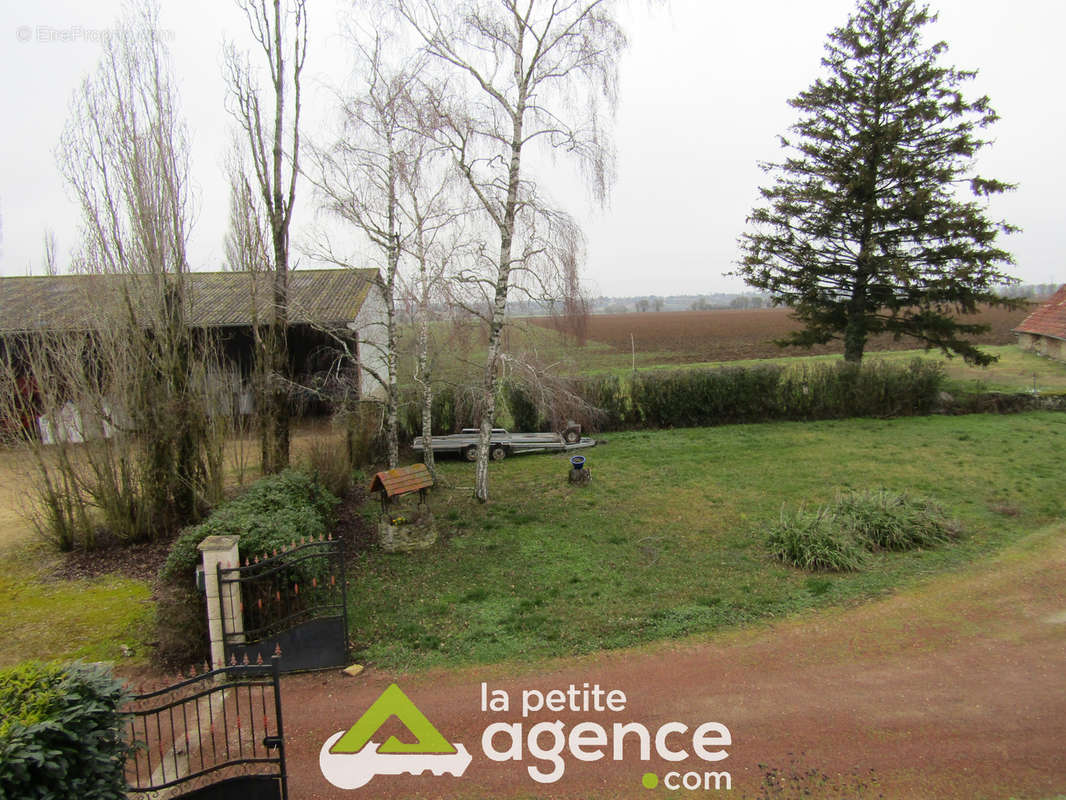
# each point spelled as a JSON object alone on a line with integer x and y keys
{"x": 315, "y": 644}
{"x": 292, "y": 604}
{"x": 244, "y": 787}
{"x": 213, "y": 736}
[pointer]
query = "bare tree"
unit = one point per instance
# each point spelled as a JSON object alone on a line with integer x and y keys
{"x": 273, "y": 135}
{"x": 51, "y": 265}
{"x": 525, "y": 71}
{"x": 359, "y": 177}
{"x": 436, "y": 242}
{"x": 248, "y": 250}
{"x": 124, "y": 153}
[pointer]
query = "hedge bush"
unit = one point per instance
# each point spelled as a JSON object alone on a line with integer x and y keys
{"x": 699, "y": 397}
{"x": 61, "y": 732}
{"x": 726, "y": 395}
{"x": 271, "y": 514}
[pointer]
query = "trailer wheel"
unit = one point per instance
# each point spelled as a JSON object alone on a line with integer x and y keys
{"x": 470, "y": 454}
{"x": 571, "y": 435}
{"x": 498, "y": 452}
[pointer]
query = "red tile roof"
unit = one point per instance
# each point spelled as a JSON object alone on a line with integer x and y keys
{"x": 402, "y": 480}
{"x": 1048, "y": 320}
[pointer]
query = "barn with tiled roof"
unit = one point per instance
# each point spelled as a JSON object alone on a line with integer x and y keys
{"x": 1044, "y": 331}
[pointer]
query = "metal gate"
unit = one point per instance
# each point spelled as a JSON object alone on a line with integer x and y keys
{"x": 293, "y": 603}
{"x": 214, "y": 736}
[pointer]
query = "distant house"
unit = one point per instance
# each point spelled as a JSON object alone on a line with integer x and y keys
{"x": 1044, "y": 331}
{"x": 330, "y": 311}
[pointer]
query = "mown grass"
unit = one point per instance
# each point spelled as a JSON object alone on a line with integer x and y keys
{"x": 669, "y": 538}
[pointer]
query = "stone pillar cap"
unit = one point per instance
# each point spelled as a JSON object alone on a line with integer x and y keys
{"x": 218, "y": 542}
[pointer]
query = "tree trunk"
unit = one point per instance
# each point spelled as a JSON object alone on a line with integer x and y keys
{"x": 393, "y": 391}
{"x": 499, "y": 307}
{"x": 276, "y": 433}
{"x": 421, "y": 369}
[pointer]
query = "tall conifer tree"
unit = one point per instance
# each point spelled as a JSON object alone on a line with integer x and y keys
{"x": 875, "y": 221}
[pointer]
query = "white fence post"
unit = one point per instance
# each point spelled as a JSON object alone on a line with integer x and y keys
{"x": 224, "y": 611}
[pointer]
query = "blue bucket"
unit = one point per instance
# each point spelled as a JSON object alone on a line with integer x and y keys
{"x": 578, "y": 462}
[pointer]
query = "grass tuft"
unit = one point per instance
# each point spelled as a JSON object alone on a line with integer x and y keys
{"x": 836, "y": 537}
{"x": 894, "y": 521}
{"x": 815, "y": 541}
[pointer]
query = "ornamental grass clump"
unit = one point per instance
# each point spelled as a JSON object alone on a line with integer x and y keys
{"x": 885, "y": 520}
{"x": 815, "y": 541}
{"x": 838, "y": 537}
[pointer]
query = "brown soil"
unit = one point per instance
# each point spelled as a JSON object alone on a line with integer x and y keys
{"x": 728, "y": 335}
{"x": 955, "y": 689}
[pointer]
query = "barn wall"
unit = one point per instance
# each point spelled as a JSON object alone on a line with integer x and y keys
{"x": 1043, "y": 345}
{"x": 373, "y": 338}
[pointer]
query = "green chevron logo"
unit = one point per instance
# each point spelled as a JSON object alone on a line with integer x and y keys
{"x": 350, "y": 759}
{"x": 393, "y": 703}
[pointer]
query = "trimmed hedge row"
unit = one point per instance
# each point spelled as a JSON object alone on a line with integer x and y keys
{"x": 705, "y": 397}
{"x": 61, "y": 732}
{"x": 727, "y": 395}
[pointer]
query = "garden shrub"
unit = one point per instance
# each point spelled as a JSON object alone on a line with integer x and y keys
{"x": 523, "y": 407}
{"x": 61, "y": 732}
{"x": 884, "y": 520}
{"x": 327, "y": 462}
{"x": 271, "y": 514}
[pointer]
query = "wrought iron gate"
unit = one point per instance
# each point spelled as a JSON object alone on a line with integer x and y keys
{"x": 214, "y": 736}
{"x": 293, "y": 603}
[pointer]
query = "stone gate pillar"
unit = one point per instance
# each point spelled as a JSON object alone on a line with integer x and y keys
{"x": 224, "y": 610}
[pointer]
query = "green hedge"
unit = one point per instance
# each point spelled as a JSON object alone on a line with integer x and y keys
{"x": 704, "y": 397}
{"x": 701, "y": 397}
{"x": 271, "y": 514}
{"x": 61, "y": 732}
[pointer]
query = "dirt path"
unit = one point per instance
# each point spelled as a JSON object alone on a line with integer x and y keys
{"x": 956, "y": 689}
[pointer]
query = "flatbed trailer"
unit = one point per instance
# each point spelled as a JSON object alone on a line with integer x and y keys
{"x": 503, "y": 443}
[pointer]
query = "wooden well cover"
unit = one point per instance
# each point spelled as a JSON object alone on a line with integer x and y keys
{"x": 402, "y": 480}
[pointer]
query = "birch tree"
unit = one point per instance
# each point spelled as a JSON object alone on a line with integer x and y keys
{"x": 359, "y": 178}
{"x": 520, "y": 73}
{"x": 437, "y": 241}
{"x": 272, "y": 130}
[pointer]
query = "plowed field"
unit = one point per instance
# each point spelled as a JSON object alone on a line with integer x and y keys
{"x": 726, "y": 335}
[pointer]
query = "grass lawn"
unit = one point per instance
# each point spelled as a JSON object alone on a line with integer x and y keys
{"x": 45, "y": 618}
{"x": 668, "y": 539}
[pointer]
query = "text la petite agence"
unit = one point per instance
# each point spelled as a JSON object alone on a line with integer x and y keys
{"x": 549, "y": 742}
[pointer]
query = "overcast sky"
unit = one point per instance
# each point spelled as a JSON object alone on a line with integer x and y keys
{"x": 704, "y": 96}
